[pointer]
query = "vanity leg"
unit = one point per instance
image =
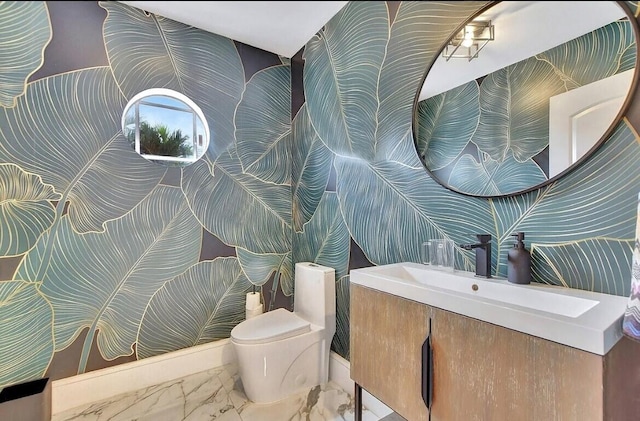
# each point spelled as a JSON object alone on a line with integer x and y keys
{"x": 358, "y": 402}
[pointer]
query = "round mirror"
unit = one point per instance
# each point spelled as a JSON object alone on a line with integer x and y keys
{"x": 165, "y": 127}
{"x": 523, "y": 93}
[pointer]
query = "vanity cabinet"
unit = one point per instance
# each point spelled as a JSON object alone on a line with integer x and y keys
{"x": 387, "y": 334}
{"x": 481, "y": 371}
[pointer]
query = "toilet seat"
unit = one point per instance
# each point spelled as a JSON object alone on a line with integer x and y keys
{"x": 271, "y": 326}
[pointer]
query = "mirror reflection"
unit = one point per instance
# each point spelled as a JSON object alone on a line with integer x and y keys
{"x": 165, "y": 127}
{"x": 536, "y": 100}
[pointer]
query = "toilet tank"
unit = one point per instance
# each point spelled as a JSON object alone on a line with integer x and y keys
{"x": 314, "y": 294}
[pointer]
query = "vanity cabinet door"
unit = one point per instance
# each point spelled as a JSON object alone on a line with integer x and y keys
{"x": 386, "y": 341}
{"x": 487, "y": 372}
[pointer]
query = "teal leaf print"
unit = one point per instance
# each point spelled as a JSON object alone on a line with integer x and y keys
{"x": 391, "y": 209}
{"x": 417, "y": 35}
{"x": 445, "y": 124}
{"x": 514, "y": 110}
{"x": 593, "y": 200}
{"x": 340, "y": 342}
{"x": 311, "y": 168}
{"x": 238, "y": 208}
{"x": 24, "y": 34}
{"x": 493, "y": 178}
{"x": 342, "y": 66}
{"x": 104, "y": 281}
{"x": 351, "y": 73}
{"x": 263, "y": 125}
{"x": 592, "y": 264}
{"x": 260, "y": 267}
{"x": 210, "y": 294}
{"x": 147, "y": 51}
{"x": 584, "y": 200}
{"x": 597, "y": 55}
{"x": 325, "y": 238}
{"x": 26, "y": 210}
{"x": 74, "y": 119}
{"x": 405, "y": 153}
{"x": 26, "y": 320}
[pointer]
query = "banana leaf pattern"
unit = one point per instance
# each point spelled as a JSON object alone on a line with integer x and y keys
{"x": 112, "y": 243}
{"x": 259, "y": 268}
{"x": 212, "y": 293}
{"x": 340, "y": 342}
{"x": 105, "y": 280}
{"x": 27, "y": 25}
{"x": 311, "y": 168}
{"x": 263, "y": 125}
{"x": 27, "y": 339}
{"x": 26, "y": 209}
{"x": 438, "y": 142}
{"x": 102, "y": 241}
{"x": 390, "y": 205}
{"x": 203, "y": 66}
{"x": 324, "y": 239}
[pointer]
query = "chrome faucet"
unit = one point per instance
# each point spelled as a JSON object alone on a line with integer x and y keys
{"x": 483, "y": 254}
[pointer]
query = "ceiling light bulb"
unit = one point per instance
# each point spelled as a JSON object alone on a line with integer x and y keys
{"x": 467, "y": 41}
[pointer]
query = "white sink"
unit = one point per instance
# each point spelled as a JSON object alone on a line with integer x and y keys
{"x": 585, "y": 320}
{"x": 535, "y": 298}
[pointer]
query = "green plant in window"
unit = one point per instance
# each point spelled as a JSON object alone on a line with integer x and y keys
{"x": 159, "y": 140}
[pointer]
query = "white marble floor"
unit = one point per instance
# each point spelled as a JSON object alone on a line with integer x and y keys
{"x": 217, "y": 395}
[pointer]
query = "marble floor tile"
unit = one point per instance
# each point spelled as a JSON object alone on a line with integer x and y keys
{"x": 217, "y": 394}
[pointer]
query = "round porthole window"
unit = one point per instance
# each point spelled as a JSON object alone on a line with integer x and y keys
{"x": 166, "y": 127}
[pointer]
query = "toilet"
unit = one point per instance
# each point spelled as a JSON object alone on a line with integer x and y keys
{"x": 282, "y": 352}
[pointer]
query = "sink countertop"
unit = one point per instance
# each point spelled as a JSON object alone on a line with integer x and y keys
{"x": 581, "y": 319}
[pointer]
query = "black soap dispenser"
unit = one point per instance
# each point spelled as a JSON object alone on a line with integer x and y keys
{"x": 519, "y": 262}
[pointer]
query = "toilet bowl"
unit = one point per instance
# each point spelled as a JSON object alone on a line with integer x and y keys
{"x": 282, "y": 352}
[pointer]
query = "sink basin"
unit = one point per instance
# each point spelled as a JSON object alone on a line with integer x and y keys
{"x": 586, "y": 320}
{"x": 539, "y": 299}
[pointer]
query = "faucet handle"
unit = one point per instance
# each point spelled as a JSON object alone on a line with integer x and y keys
{"x": 484, "y": 238}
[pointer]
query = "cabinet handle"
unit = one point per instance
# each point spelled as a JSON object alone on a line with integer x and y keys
{"x": 427, "y": 372}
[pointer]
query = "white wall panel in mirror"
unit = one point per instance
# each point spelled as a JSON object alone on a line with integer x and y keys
{"x": 578, "y": 118}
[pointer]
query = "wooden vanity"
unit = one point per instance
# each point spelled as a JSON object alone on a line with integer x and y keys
{"x": 427, "y": 363}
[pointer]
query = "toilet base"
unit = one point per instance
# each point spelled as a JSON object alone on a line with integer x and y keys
{"x": 274, "y": 371}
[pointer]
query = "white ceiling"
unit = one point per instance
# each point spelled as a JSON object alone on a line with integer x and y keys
{"x": 281, "y": 27}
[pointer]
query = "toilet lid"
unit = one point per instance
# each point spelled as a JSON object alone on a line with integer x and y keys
{"x": 270, "y": 326}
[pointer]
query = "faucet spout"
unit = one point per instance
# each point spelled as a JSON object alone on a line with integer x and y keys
{"x": 483, "y": 254}
{"x": 473, "y": 246}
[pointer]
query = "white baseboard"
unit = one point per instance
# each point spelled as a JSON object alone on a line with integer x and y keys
{"x": 101, "y": 384}
{"x": 86, "y": 388}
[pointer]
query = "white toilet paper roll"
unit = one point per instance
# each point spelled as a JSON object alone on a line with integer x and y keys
{"x": 253, "y": 300}
{"x": 249, "y": 313}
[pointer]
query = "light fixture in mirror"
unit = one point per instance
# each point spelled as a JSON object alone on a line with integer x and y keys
{"x": 166, "y": 127}
{"x": 534, "y": 104}
{"x": 470, "y": 40}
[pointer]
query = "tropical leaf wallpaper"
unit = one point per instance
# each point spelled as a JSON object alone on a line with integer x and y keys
{"x": 119, "y": 258}
{"x": 580, "y": 229}
{"x": 490, "y": 136}
{"x": 27, "y": 25}
{"x": 111, "y": 255}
